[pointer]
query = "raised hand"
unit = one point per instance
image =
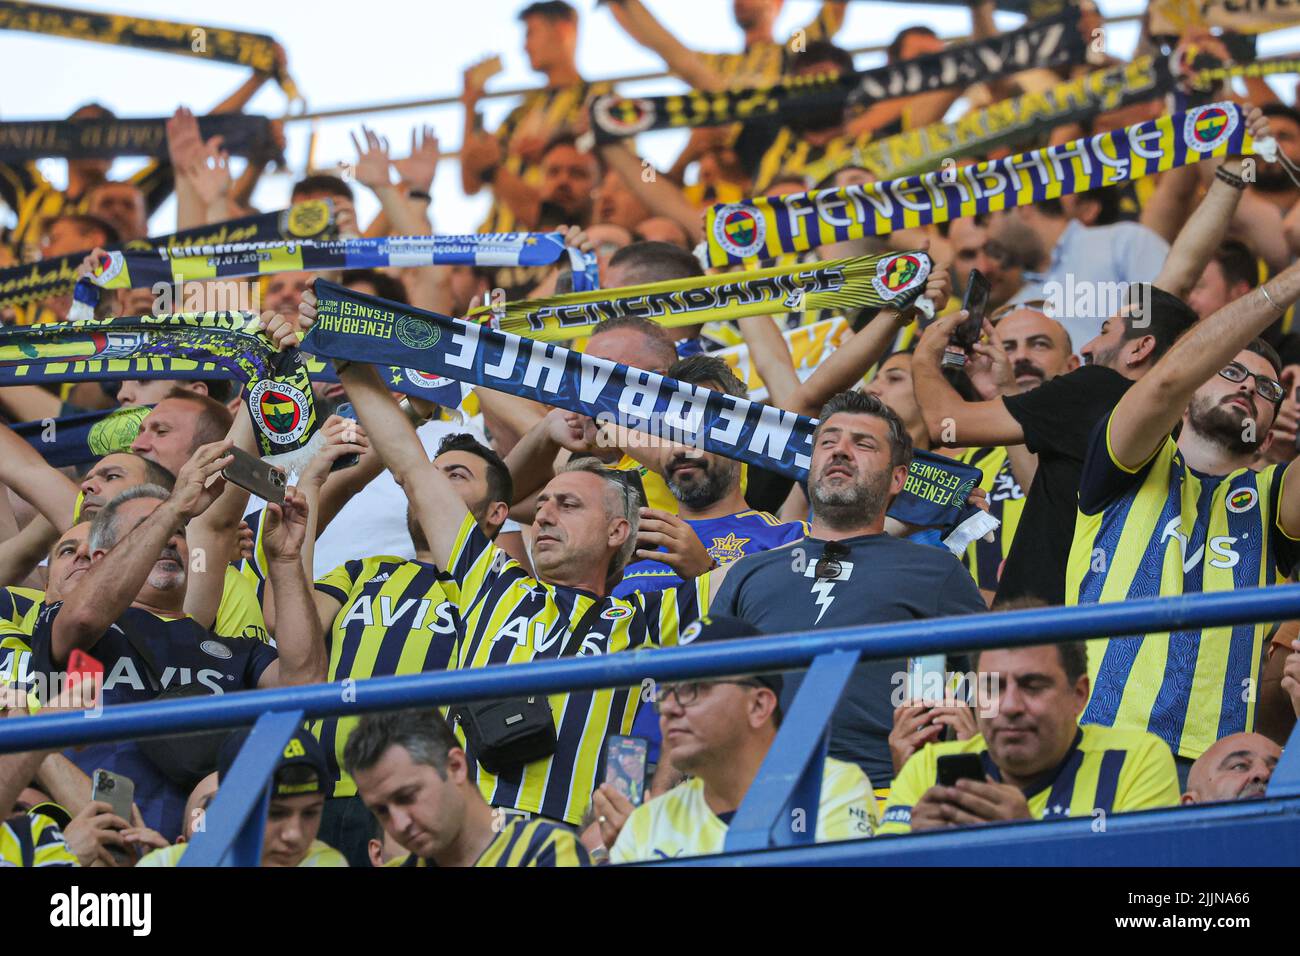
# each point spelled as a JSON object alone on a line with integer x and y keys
{"x": 285, "y": 527}
{"x": 199, "y": 482}
{"x": 417, "y": 169}
{"x": 686, "y": 553}
{"x": 371, "y": 168}
{"x": 184, "y": 141}
{"x": 343, "y": 437}
{"x": 210, "y": 172}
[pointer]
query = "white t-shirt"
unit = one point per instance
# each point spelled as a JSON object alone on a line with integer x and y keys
{"x": 374, "y": 520}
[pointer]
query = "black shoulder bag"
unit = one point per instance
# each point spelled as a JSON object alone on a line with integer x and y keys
{"x": 506, "y": 735}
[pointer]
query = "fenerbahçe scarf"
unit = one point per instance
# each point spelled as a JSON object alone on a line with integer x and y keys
{"x": 1051, "y": 42}
{"x": 313, "y": 219}
{"x": 772, "y": 226}
{"x": 131, "y": 270}
{"x": 894, "y": 280}
{"x": 279, "y": 392}
{"x": 365, "y": 328}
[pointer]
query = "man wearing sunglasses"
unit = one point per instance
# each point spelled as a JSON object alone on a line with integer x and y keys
{"x": 1159, "y": 516}
{"x": 719, "y": 731}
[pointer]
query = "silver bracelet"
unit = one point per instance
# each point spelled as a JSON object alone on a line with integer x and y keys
{"x": 1280, "y": 310}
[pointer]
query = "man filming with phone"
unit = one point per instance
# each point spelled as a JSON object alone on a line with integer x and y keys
{"x": 129, "y": 612}
{"x": 1031, "y": 759}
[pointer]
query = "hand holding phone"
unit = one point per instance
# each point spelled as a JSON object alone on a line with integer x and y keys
{"x": 975, "y": 303}
{"x": 625, "y": 759}
{"x": 954, "y": 767}
{"x": 119, "y": 793}
{"x": 255, "y": 476}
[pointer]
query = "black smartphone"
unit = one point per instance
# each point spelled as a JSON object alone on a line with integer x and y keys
{"x": 255, "y": 476}
{"x": 954, "y": 767}
{"x": 625, "y": 759}
{"x": 967, "y": 334}
{"x": 347, "y": 461}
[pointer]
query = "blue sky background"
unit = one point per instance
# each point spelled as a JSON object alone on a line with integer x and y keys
{"x": 345, "y": 53}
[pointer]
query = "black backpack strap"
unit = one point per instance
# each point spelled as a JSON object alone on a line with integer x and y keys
{"x": 585, "y": 624}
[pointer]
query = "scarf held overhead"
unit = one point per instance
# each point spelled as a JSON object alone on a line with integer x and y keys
{"x": 255, "y": 50}
{"x": 278, "y": 395}
{"x": 313, "y": 219}
{"x": 894, "y": 280}
{"x": 130, "y": 270}
{"x": 1007, "y": 121}
{"x": 1044, "y": 43}
{"x": 242, "y": 135}
{"x": 771, "y": 226}
{"x": 365, "y": 328}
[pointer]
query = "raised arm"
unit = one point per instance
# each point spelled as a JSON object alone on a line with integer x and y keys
{"x": 1150, "y": 409}
{"x": 953, "y": 421}
{"x": 46, "y": 489}
{"x": 641, "y": 25}
{"x": 112, "y": 581}
{"x": 302, "y": 656}
{"x": 214, "y": 532}
{"x": 437, "y": 505}
{"x": 660, "y": 194}
{"x": 845, "y": 367}
{"x": 1206, "y": 227}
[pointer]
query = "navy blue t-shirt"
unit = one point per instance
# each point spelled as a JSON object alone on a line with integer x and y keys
{"x": 882, "y": 579}
{"x": 188, "y": 654}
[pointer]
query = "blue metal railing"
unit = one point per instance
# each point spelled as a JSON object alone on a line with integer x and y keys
{"x": 791, "y": 772}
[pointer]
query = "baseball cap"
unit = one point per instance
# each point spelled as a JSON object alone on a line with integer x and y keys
{"x": 719, "y": 628}
{"x": 302, "y": 750}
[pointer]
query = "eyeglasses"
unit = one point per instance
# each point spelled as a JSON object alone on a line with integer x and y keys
{"x": 689, "y": 692}
{"x": 1269, "y": 389}
{"x": 828, "y": 565}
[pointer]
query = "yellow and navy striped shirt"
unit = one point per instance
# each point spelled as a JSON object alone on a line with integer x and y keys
{"x": 20, "y": 607}
{"x": 36, "y": 203}
{"x": 240, "y": 611}
{"x": 790, "y": 155}
{"x": 19, "y": 610}
{"x": 681, "y": 823}
{"x": 552, "y": 111}
{"x": 395, "y": 619}
{"x": 763, "y": 64}
{"x": 33, "y": 840}
{"x": 522, "y": 843}
{"x": 511, "y": 618}
{"x": 1006, "y": 503}
{"x": 1115, "y": 771}
{"x": 1162, "y": 530}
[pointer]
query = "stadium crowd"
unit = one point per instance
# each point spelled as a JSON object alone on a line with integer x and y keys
{"x": 1130, "y": 452}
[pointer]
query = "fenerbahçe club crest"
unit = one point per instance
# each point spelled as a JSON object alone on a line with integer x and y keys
{"x": 279, "y": 410}
{"x": 896, "y": 274}
{"x": 740, "y": 230}
{"x": 1207, "y": 127}
{"x": 624, "y": 117}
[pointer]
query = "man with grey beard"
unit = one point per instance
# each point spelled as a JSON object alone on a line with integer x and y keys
{"x": 848, "y": 572}
{"x": 713, "y": 526}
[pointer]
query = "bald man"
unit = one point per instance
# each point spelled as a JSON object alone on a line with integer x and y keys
{"x": 1238, "y": 767}
{"x": 1037, "y": 347}
{"x": 1026, "y": 349}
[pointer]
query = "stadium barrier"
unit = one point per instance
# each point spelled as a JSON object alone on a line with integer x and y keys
{"x": 1258, "y": 832}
